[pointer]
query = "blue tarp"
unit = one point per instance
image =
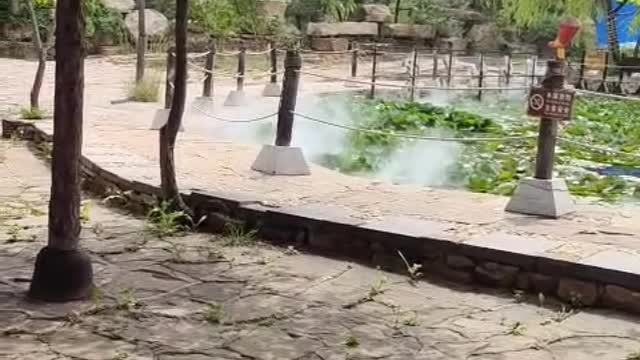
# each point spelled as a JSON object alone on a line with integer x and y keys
{"x": 624, "y": 18}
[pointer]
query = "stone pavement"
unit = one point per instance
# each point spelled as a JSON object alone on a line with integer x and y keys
{"x": 196, "y": 297}
{"x": 210, "y": 157}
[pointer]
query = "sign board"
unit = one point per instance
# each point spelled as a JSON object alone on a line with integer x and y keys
{"x": 550, "y": 104}
{"x": 595, "y": 60}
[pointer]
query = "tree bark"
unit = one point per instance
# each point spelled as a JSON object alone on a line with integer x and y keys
{"x": 42, "y": 58}
{"x": 62, "y": 271}
{"x": 169, "y": 132}
{"x": 142, "y": 41}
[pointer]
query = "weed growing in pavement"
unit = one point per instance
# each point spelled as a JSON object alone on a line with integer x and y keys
{"x": 127, "y": 300}
{"x": 214, "y": 314}
{"x": 413, "y": 270}
{"x": 559, "y": 316}
{"x": 97, "y": 296}
{"x": 411, "y": 320}
{"x": 377, "y": 288}
{"x": 32, "y": 113}
{"x": 163, "y": 221}
{"x": 517, "y": 329}
{"x": 16, "y": 235}
{"x": 147, "y": 90}
{"x": 351, "y": 341}
{"x": 633, "y": 356}
{"x": 237, "y": 235}
{"x": 85, "y": 212}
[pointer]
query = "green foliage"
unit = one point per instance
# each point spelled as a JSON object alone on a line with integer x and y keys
{"x": 214, "y": 314}
{"x": 32, "y": 113}
{"x": 224, "y": 18}
{"x": 163, "y": 221}
{"x": 147, "y": 90}
{"x": 318, "y": 10}
{"x": 237, "y": 235}
{"x": 103, "y": 22}
{"x": 496, "y": 167}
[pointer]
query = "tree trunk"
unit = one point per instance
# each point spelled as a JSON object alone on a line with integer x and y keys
{"x": 169, "y": 132}
{"x": 42, "y": 58}
{"x": 63, "y": 272}
{"x": 142, "y": 41}
{"x": 14, "y": 7}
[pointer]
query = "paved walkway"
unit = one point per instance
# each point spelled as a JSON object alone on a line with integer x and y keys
{"x": 214, "y": 155}
{"x": 193, "y": 298}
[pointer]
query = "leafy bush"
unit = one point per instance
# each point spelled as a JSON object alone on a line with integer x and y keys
{"x": 32, "y": 113}
{"x": 103, "y": 22}
{"x": 146, "y": 90}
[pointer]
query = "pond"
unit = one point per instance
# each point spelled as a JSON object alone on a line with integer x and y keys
{"x": 492, "y": 166}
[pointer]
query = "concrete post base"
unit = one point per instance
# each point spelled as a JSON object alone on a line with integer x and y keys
{"x": 272, "y": 90}
{"x": 235, "y": 98}
{"x": 161, "y": 118}
{"x": 549, "y": 198}
{"x": 281, "y": 160}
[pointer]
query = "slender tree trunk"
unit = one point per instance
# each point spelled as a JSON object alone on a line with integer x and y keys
{"x": 612, "y": 30}
{"x": 62, "y": 271}
{"x": 142, "y": 41}
{"x": 42, "y": 58}
{"x": 169, "y": 132}
{"x": 14, "y": 7}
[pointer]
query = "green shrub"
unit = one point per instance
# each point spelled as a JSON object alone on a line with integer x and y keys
{"x": 32, "y": 113}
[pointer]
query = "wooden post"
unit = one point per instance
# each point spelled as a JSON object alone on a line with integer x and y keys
{"x": 434, "y": 74}
{"x": 583, "y": 65}
{"x": 241, "y": 69}
{"x": 207, "y": 89}
{"x": 168, "y": 90}
{"x": 292, "y": 66}
{"x": 414, "y": 73}
{"x": 509, "y": 64}
{"x": 605, "y": 74}
{"x": 354, "y": 60}
{"x": 481, "y": 77}
{"x": 534, "y": 78}
{"x": 450, "y": 67}
{"x": 273, "y": 55}
{"x": 547, "y": 135}
{"x": 142, "y": 41}
{"x": 374, "y": 63}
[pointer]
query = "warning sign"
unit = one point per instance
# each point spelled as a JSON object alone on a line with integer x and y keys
{"x": 550, "y": 104}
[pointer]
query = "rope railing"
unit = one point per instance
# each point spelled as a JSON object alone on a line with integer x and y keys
{"x": 414, "y": 137}
{"x": 597, "y": 148}
{"x": 399, "y": 86}
{"x": 611, "y": 96}
{"x": 229, "y": 120}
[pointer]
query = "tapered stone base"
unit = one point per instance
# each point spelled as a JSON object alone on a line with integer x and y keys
{"x": 161, "y": 118}
{"x": 61, "y": 275}
{"x": 235, "y": 98}
{"x": 281, "y": 160}
{"x": 272, "y": 90}
{"x": 549, "y": 198}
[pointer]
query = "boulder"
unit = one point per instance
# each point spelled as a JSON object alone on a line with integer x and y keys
{"x": 121, "y": 6}
{"x": 375, "y": 13}
{"x": 456, "y": 43}
{"x": 346, "y": 28}
{"x": 329, "y": 44}
{"x": 272, "y": 9}
{"x": 485, "y": 37}
{"x": 156, "y": 24}
{"x": 409, "y": 31}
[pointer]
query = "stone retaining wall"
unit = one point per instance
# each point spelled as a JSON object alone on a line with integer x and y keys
{"x": 332, "y": 231}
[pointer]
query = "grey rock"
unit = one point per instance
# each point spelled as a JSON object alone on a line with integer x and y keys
{"x": 496, "y": 274}
{"x": 376, "y": 13}
{"x": 578, "y": 292}
{"x": 621, "y": 298}
{"x": 485, "y": 37}
{"x": 272, "y": 9}
{"x": 410, "y": 31}
{"x": 342, "y": 28}
{"x": 460, "y": 262}
{"x": 156, "y": 24}
{"x": 329, "y": 44}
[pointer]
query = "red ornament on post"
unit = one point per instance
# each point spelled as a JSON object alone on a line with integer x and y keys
{"x": 567, "y": 32}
